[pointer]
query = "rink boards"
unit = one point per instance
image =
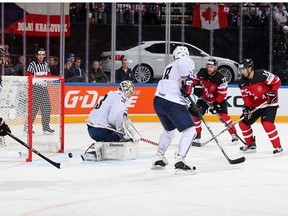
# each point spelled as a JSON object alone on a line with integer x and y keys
{"x": 81, "y": 98}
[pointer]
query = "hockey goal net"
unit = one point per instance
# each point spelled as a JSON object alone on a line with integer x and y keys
{"x": 44, "y": 131}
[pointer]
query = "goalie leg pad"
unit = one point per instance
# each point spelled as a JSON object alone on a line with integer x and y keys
{"x": 94, "y": 152}
{"x": 120, "y": 150}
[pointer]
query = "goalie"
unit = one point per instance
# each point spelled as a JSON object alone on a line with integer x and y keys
{"x": 115, "y": 136}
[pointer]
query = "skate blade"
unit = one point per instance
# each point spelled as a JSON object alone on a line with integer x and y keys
{"x": 184, "y": 172}
{"x": 281, "y": 154}
{"x": 249, "y": 151}
{"x": 157, "y": 167}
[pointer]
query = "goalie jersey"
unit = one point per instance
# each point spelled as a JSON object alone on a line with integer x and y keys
{"x": 110, "y": 111}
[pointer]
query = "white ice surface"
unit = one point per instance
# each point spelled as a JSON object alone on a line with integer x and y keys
{"x": 257, "y": 187}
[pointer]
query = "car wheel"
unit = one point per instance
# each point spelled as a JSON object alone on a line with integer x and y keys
{"x": 227, "y": 72}
{"x": 143, "y": 73}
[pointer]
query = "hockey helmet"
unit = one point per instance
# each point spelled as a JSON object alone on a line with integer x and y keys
{"x": 180, "y": 52}
{"x": 212, "y": 61}
{"x": 246, "y": 63}
{"x": 127, "y": 87}
{"x": 40, "y": 51}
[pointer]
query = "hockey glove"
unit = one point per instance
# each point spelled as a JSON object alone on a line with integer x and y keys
{"x": 198, "y": 90}
{"x": 195, "y": 111}
{"x": 186, "y": 87}
{"x": 4, "y": 128}
{"x": 215, "y": 107}
{"x": 246, "y": 113}
{"x": 271, "y": 97}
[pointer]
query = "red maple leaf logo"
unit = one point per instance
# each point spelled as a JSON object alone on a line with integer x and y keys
{"x": 209, "y": 14}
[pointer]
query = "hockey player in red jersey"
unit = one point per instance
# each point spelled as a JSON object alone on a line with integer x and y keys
{"x": 258, "y": 87}
{"x": 211, "y": 86}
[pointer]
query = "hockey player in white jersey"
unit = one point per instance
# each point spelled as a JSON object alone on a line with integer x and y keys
{"x": 108, "y": 121}
{"x": 171, "y": 105}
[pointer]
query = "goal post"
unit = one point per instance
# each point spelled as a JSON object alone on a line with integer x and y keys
{"x": 22, "y": 96}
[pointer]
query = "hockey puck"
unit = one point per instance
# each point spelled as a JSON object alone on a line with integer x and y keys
{"x": 70, "y": 155}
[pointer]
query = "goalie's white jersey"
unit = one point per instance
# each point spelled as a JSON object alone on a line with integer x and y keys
{"x": 170, "y": 84}
{"x": 110, "y": 111}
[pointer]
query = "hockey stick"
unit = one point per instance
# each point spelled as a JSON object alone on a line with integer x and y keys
{"x": 231, "y": 161}
{"x": 34, "y": 150}
{"x": 222, "y": 120}
{"x": 227, "y": 128}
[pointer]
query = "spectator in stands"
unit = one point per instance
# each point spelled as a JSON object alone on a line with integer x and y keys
{"x": 249, "y": 14}
{"x": 54, "y": 68}
{"x": 233, "y": 16}
{"x": 19, "y": 68}
{"x": 67, "y": 72}
{"x": 78, "y": 73}
{"x": 124, "y": 73}
{"x": 276, "y": 10}
{"x": 262, "y": 14}
{"x": 285, "y": 36}
{"x": 70, "y": 57}
{"x": 96, "y": 73}
{"x": 281, "y": 17}
{"x": 51, "y": 61}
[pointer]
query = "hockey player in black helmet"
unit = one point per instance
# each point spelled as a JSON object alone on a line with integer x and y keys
{"x": 249, "y": 65}
{"x": 210, "y": 86}
{"x": 258, "y": 87}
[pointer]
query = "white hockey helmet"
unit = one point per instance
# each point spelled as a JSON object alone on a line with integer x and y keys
{"x": 127, "y": 87}
{"x": 180, "y": 52}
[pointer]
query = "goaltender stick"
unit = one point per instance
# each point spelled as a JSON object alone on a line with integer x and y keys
{"x": 108, "y": 125}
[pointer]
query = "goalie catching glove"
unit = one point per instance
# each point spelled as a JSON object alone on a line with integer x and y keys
{"x": 4, "y": 128}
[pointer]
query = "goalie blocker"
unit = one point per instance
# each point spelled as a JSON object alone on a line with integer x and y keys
{"x": 116, "y": 150}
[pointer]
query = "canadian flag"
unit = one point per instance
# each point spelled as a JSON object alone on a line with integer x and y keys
{"x": 210, "y": 16}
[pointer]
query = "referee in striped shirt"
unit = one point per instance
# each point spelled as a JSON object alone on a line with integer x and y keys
{"x": 41, "y": 99}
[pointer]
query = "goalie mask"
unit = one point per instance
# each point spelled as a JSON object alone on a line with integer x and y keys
{"x": 180, "y": 52}
{"x": 127, "y": 88}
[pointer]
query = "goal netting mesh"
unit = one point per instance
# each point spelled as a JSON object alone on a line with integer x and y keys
{"x": 19, "y": 96}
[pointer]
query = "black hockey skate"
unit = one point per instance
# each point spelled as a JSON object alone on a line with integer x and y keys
{"x": 159, "y": 162}
{"x": 249, "y": 148}
{"x": 278, "y": 151}
{"x": 181, "y": 168}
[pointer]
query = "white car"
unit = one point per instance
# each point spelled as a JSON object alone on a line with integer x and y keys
{"x": 147, "y": 60}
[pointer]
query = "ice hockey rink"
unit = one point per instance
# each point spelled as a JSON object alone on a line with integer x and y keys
{"x": 257, "y": 187}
